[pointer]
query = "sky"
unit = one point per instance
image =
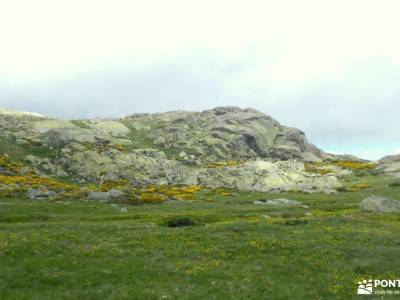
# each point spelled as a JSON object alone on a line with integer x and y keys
{"x": 329, "y": 68}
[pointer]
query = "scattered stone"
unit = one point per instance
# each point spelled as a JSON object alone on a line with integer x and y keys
{"x": 115, "y": 193}
{"x": 380, "y": 204}
{"x": 182, "y": 155}
{"x": 267, "y": 217}
{"x": 36, "y": 194}
{"x": 308, "y": 214}
{"x": 123, "y": 210}
{"x": 282, "y": 201}
{"x": 104, "y": 196}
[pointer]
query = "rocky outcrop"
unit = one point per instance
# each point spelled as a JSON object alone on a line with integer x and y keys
{"x": 222, "y": 147}
{"x": 225, "y": 133}
{"x": 390, "y": 165}
{"x": 140, "y": 166}
{"x": 269, "y": 177}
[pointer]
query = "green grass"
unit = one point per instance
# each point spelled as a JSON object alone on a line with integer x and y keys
{"x": 142, "y": 140}
{"x": 85, "y": 250}
{"x": 19, "y": 152}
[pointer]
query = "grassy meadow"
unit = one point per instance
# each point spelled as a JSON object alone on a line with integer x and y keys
{"x": 234, "y": 250}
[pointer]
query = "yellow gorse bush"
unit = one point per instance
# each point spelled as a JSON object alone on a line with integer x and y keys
{"x": 229, "y": 163}
{"x": 114, "y": 184}
{"x": 18, "y": 185}
{"x": 354, "y": 165}
{"x": 324, "y": 168}
{"x": 359, "y": 186}
{"x": 6, "y": 163}
{"x": 15, "y": 183}
{"x": 317, "y": 168}
{"x": 160, "y": 193}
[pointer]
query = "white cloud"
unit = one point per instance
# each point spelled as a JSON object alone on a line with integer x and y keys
{"x": 330, "y": 68}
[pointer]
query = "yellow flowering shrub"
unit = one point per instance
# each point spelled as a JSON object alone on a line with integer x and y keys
{"x": 152, "y": 198}
{"x": 114, "y": 184}
{"x": 229, "y": 163}
{"x": 160, "y": 193}
{"x": 18, "y": 185}
{"x": 6, "y": 163}
{"x": 358, "y": 187}
{"x": 354, "y": 165}
{"x": 324, "y": 168}
{"x": 317, "y": 168}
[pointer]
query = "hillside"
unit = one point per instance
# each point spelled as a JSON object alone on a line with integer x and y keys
{"x": 226, "y": 147}
{"x": 183, "y": 205}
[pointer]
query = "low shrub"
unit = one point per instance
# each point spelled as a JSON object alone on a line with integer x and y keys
{"x": 180, "y": 222}
{"x": 296, "y": 222}
{"x": 394, "y": 184}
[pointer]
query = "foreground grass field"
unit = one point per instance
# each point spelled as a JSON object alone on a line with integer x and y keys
{"x": 236, "y": 250}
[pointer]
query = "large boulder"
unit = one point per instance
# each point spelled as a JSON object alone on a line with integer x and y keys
{"x": 390, "y": 165}
{"x": 44, "y": 126}
{"x": 380, "y": 204}
{"x": 60, "y": 137}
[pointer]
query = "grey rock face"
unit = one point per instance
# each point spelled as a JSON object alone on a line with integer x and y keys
{"x": 44, "y": 166}
{"x": 390, "y": 165}
{"x": 60, "y": 137}
{"x": 380, "y": 204}
{"x": 225, "y": 133}
{"x": 268, "y": 177}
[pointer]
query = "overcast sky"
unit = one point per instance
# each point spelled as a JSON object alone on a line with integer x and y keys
{"x": 330, "y": 68}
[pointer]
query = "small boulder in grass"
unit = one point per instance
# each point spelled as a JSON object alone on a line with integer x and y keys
{"x": 380, "y": 204}
{"x": 99, "y": 196}
{"x": 277, "y": 202}
{"x": 40, "y": 194}
{"x": 115, "y": 193}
